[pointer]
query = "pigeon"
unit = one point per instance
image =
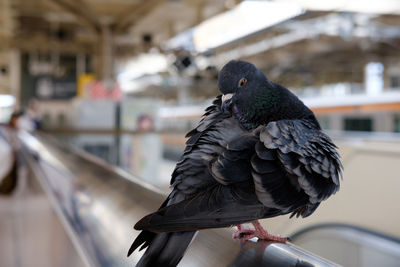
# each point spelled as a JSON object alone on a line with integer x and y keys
{"x": 258, "y": 152}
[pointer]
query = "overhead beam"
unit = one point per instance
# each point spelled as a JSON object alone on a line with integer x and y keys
{"x": 133, "y": 15}
{"x": 362, "y": 6}
{"x": 342, "y": 26}
{"x": 6, "y": 20}
{"x": 82, "y": 11}
{"x": 42, "y": 44}
{"x": 88, "y": 10}
{"x": 105, "y": 70}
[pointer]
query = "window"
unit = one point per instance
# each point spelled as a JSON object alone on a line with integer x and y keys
{"x": 61, "y": 120}
{"x": 395, "y": 82}
{"x": 396, "y": 123}
{"x": 358, "y": 124}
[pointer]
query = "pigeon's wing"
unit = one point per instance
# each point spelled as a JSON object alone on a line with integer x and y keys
{"x": 205, "y": 142}
{"x": 219, "y": 194}
{"x": 219, "y": 206}
{"x": 193, "y": 164}
{"x": 211, "y": 116}
{"x": 233, "y": 165}
{"x": 295, "y": 167}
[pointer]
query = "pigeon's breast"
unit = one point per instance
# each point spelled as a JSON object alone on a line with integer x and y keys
{"x": 192, "y": 174}
{"x": 215, "y": 139}
{"x": 225, "y": 131}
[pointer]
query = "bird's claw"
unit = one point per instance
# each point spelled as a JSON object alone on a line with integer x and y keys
{"x": 243, "y": 233}
{"x": 246, "y": 233}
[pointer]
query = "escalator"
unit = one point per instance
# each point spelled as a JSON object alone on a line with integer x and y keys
{"x": 349, "y": 245}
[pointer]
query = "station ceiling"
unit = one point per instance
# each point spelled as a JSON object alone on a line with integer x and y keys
{"x": 330, "y": 43}
{"x": 76, "y": 25}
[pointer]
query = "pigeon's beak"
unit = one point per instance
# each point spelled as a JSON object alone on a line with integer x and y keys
{"x": 226, "y": 102}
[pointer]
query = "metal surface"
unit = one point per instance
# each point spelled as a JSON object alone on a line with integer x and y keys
{"x": 357, "y": 246}
{"x": 98, "y": 205}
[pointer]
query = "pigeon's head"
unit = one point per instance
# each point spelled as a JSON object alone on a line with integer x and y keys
{"x": 245, "y": 88}
{"x": 253, "y": 98}
{"x": 238, "y": 76}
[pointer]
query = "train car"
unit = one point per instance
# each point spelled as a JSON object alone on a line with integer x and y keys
{"x": 362, "y": 112}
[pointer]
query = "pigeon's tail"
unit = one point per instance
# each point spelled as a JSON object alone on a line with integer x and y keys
{"x": 164, "y": 249}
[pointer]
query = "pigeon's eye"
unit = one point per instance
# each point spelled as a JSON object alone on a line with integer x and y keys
{"x": 242, "y": 82}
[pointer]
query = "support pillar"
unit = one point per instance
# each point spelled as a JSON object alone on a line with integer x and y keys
{"x": 104, "y": 66}
{"x": 15, "y": 76}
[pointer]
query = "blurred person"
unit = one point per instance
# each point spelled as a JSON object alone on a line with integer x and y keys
{"x": 8, "y": 162}
{"x": 30, "y": 120}
{"x": 7, "y": 174}
{"x": 23, "y": 122}
{"x": 33, "y": 115}
{"x": 147, "y": 149}
{"x": 145, "y": 123}
{"x": 13, "y": 122}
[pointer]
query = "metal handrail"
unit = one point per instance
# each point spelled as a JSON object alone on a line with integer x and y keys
{"x": 98, "y": 205}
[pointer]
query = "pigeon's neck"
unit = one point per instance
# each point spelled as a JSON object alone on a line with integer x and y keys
{"x": 244, "y": 120}
{"x": 292, "y": 108}
{"x": 261, "y": 111}
{"x": 272, "y": 105}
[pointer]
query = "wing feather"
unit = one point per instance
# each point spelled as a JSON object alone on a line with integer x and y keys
{"x": 307, "y": 155}
{"x": 220, "y": 206}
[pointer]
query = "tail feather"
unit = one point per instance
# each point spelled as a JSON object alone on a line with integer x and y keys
{"x": 164, "y": 249}
{"x": 145, "y": 238}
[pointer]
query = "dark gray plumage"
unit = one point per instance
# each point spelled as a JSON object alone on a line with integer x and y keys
{"x": 258, "y": 152}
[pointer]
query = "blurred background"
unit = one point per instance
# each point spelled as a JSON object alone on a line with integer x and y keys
{"x": 120, "y": 82}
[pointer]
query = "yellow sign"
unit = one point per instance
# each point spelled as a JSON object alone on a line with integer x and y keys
{"x": 83, "y": 81}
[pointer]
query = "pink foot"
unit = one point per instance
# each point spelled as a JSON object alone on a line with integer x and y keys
{"x": 243, "y": 232}
{"x": 246, "y": 233}
{"x": 262, "y": 234}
